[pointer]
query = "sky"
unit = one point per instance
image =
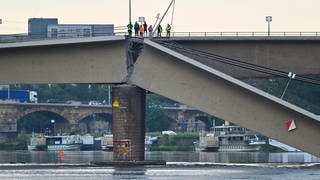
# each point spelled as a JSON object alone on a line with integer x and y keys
{"x": 189, "y": 15}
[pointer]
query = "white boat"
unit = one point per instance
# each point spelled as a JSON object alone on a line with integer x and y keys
{"x": 228, "y": 139}
{"x": 55, "y": 143}
{"x": 107, "y": 142}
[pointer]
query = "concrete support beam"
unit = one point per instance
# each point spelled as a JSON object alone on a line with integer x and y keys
{"x": 175, "y": 76}
{"x": 128, "y": 113}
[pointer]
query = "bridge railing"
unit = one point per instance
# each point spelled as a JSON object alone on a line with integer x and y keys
{"x": 121, "y": 31}
{"x": 244, "y": 34}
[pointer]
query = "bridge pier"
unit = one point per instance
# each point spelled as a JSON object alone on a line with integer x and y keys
{"x": 128, "y": 113}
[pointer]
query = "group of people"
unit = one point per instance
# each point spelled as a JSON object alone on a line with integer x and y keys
{"x": 143, "y": 29}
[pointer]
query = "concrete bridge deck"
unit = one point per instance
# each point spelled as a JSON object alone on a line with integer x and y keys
{"x": 95, "y": 60}
{"x": 171, "y": 74}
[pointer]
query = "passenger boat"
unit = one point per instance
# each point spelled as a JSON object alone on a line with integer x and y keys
{"x": 107, "y": 142}
{"x": 227, "y": 139}
{"x": 77, "y": 143}
{"x": 66, "y": 143}
{"x": 55, "y": 143}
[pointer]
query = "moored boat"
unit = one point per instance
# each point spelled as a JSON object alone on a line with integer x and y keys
{"x": 66, "y": 143}
{"x": 228, "y": 139}
{"x": 55, "y": 143}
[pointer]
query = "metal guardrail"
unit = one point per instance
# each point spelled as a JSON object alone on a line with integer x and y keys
{"x": 121, "y": 31}
{"x": 246, "y": 34}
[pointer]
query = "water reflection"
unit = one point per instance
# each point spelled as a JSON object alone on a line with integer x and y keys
{"x": 233, "y": 157}
{"x": 83, "y": 157}
{"x": 130, "y": 173}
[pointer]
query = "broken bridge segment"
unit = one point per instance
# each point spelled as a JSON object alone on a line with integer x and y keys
{"x": 183, "y": 79}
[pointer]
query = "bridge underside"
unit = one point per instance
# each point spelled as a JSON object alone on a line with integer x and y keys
{"x": 92, "y": 61}
{"x": 175, "y": 76}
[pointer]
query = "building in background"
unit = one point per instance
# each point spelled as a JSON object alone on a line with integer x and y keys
{"x": 49, "y": 28}
{"x": 38, "y": 27}
{"x": 79, "y": 30}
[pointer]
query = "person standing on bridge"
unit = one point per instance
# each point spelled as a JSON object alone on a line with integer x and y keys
{"x": 168, "y": 29}
{"x": 145, "y": 27}
{"x": 136, "y": 29}
{"x": 130, "y": 26}
{"x": 141, "y": 30}
{"x": 159, "y": 30}
{"x": 150, "y": 29}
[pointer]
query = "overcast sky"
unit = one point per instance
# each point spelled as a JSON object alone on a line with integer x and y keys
{"x": 190, "y": 15}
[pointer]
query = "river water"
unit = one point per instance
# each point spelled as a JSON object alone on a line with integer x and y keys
{"x": 84, "y": 157}
{"x": 180, "y": 165}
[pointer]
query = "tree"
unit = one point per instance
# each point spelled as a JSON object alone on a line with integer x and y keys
{"x": 34, "y": 122}
{"x": 156, "y": 119}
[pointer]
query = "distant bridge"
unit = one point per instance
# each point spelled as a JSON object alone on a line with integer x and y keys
{"x": 66, "y": 116}
{"x": 71, "y": 115}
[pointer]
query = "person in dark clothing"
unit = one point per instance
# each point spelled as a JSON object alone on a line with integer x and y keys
{"x": 145, "y": 27}
{"x": 159, "y": 30}
{"x": 136, "y": 28}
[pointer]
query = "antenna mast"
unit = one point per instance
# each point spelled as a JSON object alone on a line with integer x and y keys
{"x": 155, "y": 29}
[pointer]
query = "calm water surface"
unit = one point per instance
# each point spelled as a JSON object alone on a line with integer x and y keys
{"x": 181, "y": 165}
{"x": 80, "y": 157}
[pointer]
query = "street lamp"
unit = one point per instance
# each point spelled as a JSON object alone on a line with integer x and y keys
{"x": 130, "y": 11}
{"x": 268, "y": 19}
{"x": 52, "y": 122}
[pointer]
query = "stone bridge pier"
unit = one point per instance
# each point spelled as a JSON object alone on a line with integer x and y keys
{"x": 128, "y": 112}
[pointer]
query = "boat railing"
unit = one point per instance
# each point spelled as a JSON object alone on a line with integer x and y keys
{"x": 231, "y": 143}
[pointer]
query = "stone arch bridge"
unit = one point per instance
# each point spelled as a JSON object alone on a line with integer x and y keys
{"x": 10, "y": 113}
{"x": 182, "y": 117}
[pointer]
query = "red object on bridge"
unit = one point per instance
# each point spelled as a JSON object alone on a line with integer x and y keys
{"x": 290, "y": 124}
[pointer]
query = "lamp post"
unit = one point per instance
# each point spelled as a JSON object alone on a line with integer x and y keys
{"x": 52, "y": 122}
{"x": 130, "y": 11}
{"x": 268, "y": 19}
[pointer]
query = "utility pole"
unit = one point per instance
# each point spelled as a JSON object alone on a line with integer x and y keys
{"x": 130, "y": 11}
{"x": 172, "y": 2}
{"x": 269, "y": 19}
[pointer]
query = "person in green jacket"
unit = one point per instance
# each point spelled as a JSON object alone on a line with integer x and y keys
{"x": 168, "y": 29}
{"x": 130, "y": 27}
